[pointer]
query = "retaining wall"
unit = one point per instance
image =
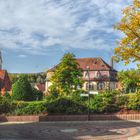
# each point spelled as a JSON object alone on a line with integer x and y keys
{"x": 69, "y": 118}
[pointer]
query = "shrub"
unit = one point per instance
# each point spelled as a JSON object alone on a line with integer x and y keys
{"x": 7, "y": 95}
{"x": 122, "y": 101}
{"x": 51, "y": 97}
{"x": 107, "y": 102}
{"x": 76, "y": 96}
{"x": 30, "y": 108}
{"x": 38, "y": 94}
{"x": 53, "y": 90}
{"x": 134, "y": 101}
{"x": 5, "y": 105}
{"x": 104, "y": 103}
{"x": 65, "y": 106}
{"x": 22, "y": 90}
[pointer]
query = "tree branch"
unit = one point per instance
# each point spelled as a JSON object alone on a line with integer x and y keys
{"x": 136, "y": 56}
{"x": 133, "y": 32}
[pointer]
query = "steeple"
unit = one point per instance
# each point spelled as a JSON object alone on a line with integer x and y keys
{"x": 0, "y": 60}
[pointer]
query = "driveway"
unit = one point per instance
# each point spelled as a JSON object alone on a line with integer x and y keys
{"x": 109, "y": 130}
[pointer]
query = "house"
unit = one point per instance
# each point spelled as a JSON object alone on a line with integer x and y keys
{"x": 40, "y": 87}
{"x": 5, "y": 83}
{"x": 101, "y": 75}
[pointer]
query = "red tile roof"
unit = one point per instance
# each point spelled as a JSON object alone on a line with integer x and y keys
{"x": 40, "y": 87}
{"x": 93, "y": 63}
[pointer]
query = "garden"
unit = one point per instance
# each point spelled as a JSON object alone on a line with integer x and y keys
{"x": 103, "y": 103}
{"x": 64, "y": 95}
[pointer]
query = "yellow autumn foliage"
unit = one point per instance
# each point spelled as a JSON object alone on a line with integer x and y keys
{"x": 129, "y": 46}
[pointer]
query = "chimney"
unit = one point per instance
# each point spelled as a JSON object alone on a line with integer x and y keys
{"x": 112, "y": 62}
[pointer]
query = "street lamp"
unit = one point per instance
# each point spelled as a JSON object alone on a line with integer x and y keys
{"x": 89, "y": 92}
{"x": 88, "y": 69}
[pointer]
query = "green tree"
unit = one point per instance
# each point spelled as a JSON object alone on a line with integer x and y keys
{"x": 13, "y": 77}
{"x": 129, "y": 79}
{"x": 129, "y": 46}
{"x": 38, "y": 94}
{"x": 67, "y": 76}
{"x": 22, "y": 90}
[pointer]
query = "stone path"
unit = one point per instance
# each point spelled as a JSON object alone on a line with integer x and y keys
{"x": 120, "y": 130}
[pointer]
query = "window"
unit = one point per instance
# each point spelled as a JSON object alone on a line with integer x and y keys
{"x": 100, "y": 85}
{"x": 98, "y": 74}
{"x": 85, "y": 74}
{"x": 91, "y": 86}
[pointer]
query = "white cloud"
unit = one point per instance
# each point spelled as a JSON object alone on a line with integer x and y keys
{"x": 22, "y": 56}
{"x": 34, "y": 26}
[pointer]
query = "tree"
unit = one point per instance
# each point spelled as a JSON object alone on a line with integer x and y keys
{"x": 129, "y": 79}
{"x": 67, "y": 76}
{"x": 22, "y": 90}
{"x": 129, "y": 47}
{"x": 37, "y": 94}
{"x": 13, "y": 77}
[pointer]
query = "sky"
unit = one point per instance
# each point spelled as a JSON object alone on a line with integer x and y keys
{"x": 34, "y": 34}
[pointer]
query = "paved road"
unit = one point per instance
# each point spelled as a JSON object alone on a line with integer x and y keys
{"x": 70, "y": 131}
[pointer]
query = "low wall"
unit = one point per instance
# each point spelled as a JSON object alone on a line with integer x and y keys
{"x": 19, "y": 118}
{"x": 92, "y": 117}
{"x": 69, "y": 118}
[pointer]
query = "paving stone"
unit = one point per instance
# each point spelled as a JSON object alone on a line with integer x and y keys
{"x": 71, "y": 131}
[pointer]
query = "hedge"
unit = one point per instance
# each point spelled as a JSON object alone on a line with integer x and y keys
{"x": 101, "y": 103}
{"x": 30, "y": 108}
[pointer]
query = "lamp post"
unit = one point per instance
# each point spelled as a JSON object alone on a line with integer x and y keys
{"x": 88, "y": 68}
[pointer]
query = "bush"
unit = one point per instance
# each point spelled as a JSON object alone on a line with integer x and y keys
{"x": 51, "y": 97}
{"x": 7, "y": 95}
{"x": 134, "y": 101}
{"x": 66, "y": 106}
{"x": 107, "y": 102}
{"x": 38, "y": 94}
{"x": 104, "y": 103}
{"x": 122, "y": 101}
{"x": 76, "y": 96}
{"x": 5, "y": 105}
{"x": 22, "y": 90}
{"x": 30, "y": 108}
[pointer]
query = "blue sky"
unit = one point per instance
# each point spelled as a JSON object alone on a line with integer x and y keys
{"x": 34, "y": 34}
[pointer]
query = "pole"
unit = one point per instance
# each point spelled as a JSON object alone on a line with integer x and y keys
{"x": 88, "y": 93}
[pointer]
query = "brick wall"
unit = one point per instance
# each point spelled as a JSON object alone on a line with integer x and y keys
{"x": 69, "y": 118}
{"x": 92, "y": 117}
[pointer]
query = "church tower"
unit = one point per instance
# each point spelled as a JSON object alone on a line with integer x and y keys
{"x": 0, "y": 60}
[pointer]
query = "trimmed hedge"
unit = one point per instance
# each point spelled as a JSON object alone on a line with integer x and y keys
{"x": 101, "y": 103}
{"x": 29, "y": 108}
{"x": 6, "y": 105}
{"x": 66, "y": 106}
